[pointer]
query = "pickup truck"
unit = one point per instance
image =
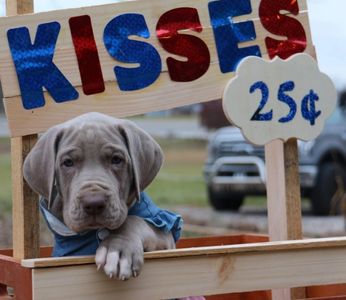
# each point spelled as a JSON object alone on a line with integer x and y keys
{"x": 235, "y": 168}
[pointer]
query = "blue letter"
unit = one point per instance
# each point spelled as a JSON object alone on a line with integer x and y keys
{"x": 35, "y": 67}
{"x": 287, "y": 86}
{"x": 228, "y": 34}
{"x": 309, "y": 108}
{"x": 122, "y": 49}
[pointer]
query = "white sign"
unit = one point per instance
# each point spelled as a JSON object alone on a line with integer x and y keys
{"x": 279, "y": 99}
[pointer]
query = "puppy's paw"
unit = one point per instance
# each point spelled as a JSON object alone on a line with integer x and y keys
{"x": 120, "y": 256}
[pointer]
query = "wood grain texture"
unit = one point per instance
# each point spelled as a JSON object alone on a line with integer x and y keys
{"x": 25, "y": 213}
{"x": 12, "y": 274}
{"x": 163, "y": 94}
{"x": 65, "y": 57}
{"x": 166, "y": 278}
{"x": 293, "y": 201}
{"x": 283, "y": 190}
{"x": 277, "y": 246}
{"x": 19, "y": 7}
{"x": 293, "y": 197}
{"x": 283, "y": 199}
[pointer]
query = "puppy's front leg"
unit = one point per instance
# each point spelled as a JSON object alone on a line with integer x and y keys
{"x": 121, "y": 253}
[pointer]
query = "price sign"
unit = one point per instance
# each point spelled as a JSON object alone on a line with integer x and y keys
{"x": 279, "y": 99}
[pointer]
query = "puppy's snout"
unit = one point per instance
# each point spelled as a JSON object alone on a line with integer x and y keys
{"x": 93, "y": 204}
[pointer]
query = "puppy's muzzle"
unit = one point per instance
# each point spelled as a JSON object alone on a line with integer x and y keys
{"x": 93, "y": 204}
{"x": 93, "y": 199}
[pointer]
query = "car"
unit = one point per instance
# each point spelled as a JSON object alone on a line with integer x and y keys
{"x": 235, "y": 168}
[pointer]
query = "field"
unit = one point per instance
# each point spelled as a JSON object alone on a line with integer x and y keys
{"x": 180, "y": 181}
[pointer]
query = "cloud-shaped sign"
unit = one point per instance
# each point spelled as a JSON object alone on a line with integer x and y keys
{"x": 279, "y": 99}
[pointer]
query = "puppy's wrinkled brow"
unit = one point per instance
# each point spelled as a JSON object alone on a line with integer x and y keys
{"x": 111, "y": 149}
{"x": 73, "y": 152}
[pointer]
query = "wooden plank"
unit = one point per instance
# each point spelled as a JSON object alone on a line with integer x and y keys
{"x": 65, "y": 57}
{"x": 25, "y": 213}
{"x": 283, "y": 199}
{"x": 277, "y": 246}
{"x": 15, "y": 276}
{"x": 14, "y": 7}
{"x": 293, "y": 197}
{"x": 113, "y": 102}
{"x": 283, "y": 191}
{"x": 197, "y": 275}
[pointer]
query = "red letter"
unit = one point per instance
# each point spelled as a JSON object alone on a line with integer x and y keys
{"x": 279, "y": 24}
{"x": 87, "y": 55}
{"x": 196, "y": 51}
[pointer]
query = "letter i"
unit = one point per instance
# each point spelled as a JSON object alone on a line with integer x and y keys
{"x": 87, "y": 55}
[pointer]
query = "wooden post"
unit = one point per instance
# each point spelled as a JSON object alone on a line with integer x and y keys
{"x": 283, "y": 200}
{"x": 25, "y": 213}
{"x": 19, "y": 7}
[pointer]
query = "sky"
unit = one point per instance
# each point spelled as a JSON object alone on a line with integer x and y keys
{"x": 327, "y": 21}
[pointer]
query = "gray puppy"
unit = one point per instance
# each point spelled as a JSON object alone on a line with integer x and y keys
{"x": 91, "y": 170}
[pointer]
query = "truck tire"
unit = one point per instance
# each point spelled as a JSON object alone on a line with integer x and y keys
{"x": 225, "y": 200}
{"x": 326, "y": 188}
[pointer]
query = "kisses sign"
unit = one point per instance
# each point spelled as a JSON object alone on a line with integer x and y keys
{"x": 138, "y": 56}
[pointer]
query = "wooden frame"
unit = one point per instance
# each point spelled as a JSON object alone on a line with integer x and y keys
{"x": 195, "y": 271}
{"x": 189, "y": 271}
{"x": 114, "y": 101}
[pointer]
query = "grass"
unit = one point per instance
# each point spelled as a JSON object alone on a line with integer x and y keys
{"x": 180, "y": 180}
{"x": 259, "y": 201}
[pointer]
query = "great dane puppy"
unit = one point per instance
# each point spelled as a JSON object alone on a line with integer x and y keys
{"x": 91, "y": 170}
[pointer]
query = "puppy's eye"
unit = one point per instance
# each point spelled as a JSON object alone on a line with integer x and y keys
{"x": 116, "y": 160}
{"x": 68, "y": 162}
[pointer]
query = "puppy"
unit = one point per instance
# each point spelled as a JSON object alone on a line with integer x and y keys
{"x": 91, "y": 170}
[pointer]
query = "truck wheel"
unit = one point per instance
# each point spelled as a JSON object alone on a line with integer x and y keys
{"x": 225, "y": 200}
{"x": 329, "y": 190}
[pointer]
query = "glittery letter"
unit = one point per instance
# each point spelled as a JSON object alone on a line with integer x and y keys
{"x": 258, "y": 116}
{"x": 280, "y": 24}
{"x": 308, "y": 108}
{"x": 87, "y": 55}
{"x": 228, "y": 34}
{"x": 287, "y": 86}
{"x": 196, "y": 51}
{"x": 35, "y": 67}
{"x": 118, "y": 45}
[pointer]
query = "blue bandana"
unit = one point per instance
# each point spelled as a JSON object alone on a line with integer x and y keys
{"x": 70, "y": 243}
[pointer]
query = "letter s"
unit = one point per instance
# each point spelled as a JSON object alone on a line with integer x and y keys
{"x": 279, "y": 24}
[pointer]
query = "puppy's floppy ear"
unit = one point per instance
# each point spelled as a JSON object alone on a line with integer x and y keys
{"x": 39, "y": 165}
{"x": 146, "y": 155}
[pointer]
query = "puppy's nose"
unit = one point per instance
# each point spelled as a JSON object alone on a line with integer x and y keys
{"x": 94, "y": 204}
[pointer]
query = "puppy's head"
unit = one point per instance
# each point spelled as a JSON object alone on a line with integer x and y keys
{"x": 92, "y": 168}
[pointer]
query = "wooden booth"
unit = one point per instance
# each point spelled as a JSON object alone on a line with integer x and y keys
{"x": 187, "y": 52}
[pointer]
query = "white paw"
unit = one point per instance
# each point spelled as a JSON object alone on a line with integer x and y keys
{"x": 120, "y": 257}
